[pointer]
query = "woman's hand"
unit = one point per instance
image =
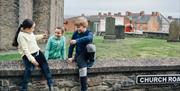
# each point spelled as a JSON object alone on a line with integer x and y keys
{"x": 35, "y": 62}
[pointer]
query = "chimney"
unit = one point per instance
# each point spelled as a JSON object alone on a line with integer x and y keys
{"x": 157, "y": 13}
{"x": 141, "y": 13}
{"x": 128, "y": 13}
{"x": 119, "y": 13}
{"x": 153, "y": 14}
{"x": 109, "y": 13}
{"x": 105, "y": 14}
{"x": 115, "y": 14}
{"x": 170, "y": 17}
{"x": 83, "y": 15}
{"x": 99, "y": 14}
{"x": 66, "y": 22}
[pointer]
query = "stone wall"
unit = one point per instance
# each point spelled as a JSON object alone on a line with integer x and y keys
{"x": 41, "y": 15}
{"x": 174, "y": 31}
{"x": 56, "y": 14}
{"x": 105, "y": 75}
{"x": 47, "y": 15}
{"x": 25, "y": 9}
{"x": 153, "y": 35}
{"x": 8, "y": 22}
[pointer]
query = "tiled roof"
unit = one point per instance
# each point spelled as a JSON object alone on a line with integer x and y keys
{"x": 93, "y": 18}
{"x": 141, "y": 19}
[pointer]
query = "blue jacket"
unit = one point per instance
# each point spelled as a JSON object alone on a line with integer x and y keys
{"x": 82, "y": 39}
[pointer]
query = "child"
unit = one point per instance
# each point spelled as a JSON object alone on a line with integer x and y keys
{"x": 81, "y": 40}
{"x": 56, "y": 46}
{"x": 26, "y": 42}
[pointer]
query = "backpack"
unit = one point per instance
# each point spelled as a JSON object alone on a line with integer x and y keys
{"x": 91, "y": 50}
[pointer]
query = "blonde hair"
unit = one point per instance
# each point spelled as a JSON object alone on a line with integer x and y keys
{"x": 81, "y": 21}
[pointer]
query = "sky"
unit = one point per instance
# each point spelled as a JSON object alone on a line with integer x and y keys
{"x": 92, "y": 7}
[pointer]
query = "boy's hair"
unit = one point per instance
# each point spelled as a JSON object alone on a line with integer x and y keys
{"x": 81, "y": 21}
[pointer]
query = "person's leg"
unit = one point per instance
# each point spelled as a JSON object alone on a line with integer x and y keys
{"x": 29, "y": 67}
{"x": 83, "y": 78}
{"x": 45, "y": 69}
{"x": 82, "y": 64}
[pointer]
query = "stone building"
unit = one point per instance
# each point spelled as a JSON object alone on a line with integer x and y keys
{"x": 47, "y": 15}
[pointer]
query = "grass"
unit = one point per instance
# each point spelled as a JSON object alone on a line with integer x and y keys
{"x": 136, "y": 48}
{"x": 10, "y": 57}
{"x": 126, "y": 48}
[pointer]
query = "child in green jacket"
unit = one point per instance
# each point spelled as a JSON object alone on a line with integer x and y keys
{"x": 56, "y": 45}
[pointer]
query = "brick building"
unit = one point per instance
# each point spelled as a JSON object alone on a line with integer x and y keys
{"x": 154, "y": 22}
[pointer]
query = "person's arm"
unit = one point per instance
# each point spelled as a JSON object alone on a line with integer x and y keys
{"x": 48, "y": 47}
{"x": 23, "y": 43}
{"x": 40, "y": 36}
{"x": 71, "y": 47}
{"x": 63, "y": 51}
{"x": 85, "y": 39}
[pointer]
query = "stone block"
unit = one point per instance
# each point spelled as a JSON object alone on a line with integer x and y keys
{"x": 14, "y": 88}
{"x": 25, "y": 10}
{"x": 137, "y": 90}
{"x": 119, "y": 32}
{"x": 110, "y": 28}
{"x": 76, "y": 88}
{"x": 98, "y": 88}
{"x": 174, "y": 32}
{"x": 128, "y": 83}
{"x": 4, "y": 83}
{"x": 110, "y": 82}
{"x": 117, "y": 87}
{"x": 41, "y": 15}
{"x": 8, "y": 22}
{"x": 110, "y": 37}
{"x": 64, "y": 89}
{"x": 67, "y": 84}
{"x": 94, "y": 81}
{"x": 4, "y": 89}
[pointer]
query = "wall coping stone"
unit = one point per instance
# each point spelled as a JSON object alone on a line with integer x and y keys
{"x": 15, "y": 68}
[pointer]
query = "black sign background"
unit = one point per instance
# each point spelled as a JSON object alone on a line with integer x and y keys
{"x": 158, "y": 79}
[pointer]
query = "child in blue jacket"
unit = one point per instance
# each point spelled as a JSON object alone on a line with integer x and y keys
{"x": 81, "y": 38}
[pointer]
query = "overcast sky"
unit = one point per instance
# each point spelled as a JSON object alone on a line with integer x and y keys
{"x": 92, "y": 7}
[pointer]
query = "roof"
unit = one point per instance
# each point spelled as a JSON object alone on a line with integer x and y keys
{"x": 94, "y": 18}
{"x": 141, "y": 19}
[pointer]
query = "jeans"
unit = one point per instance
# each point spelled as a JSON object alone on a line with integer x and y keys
{"x": 83, "y": 60}
{"x": 29, "y": 67}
